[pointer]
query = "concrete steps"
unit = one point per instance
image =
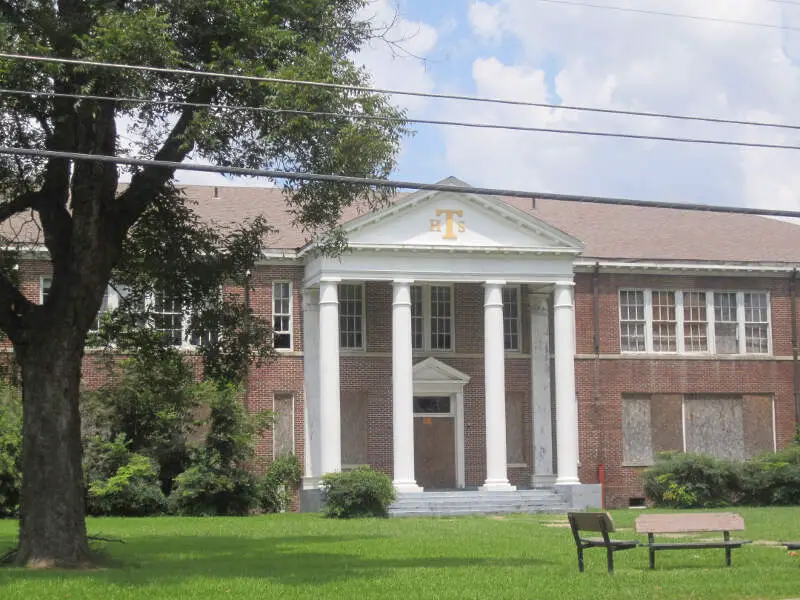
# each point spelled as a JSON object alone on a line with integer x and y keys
{"x": 473, "y": 502}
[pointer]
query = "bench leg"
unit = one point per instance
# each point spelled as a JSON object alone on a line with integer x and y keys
{"x": 610, "y": 557}
{"x": 650, "y": 539}
{"x": 580, "y": 559}
{"x": 727, "y": 557}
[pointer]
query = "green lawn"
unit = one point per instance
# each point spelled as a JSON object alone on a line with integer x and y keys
{"x": 309, "y": 557}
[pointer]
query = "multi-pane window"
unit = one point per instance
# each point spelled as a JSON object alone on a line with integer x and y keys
{"x": 632, "y": 321}
{"x": 441, "y": 317}
{"x": 694, "y": 322}
{"x": 417, "y": 318}
{"x": 726, "y": 323}
{"x": 664, "y": 322}
{"x": 103, "y": 309}
{"x": 282, "y": 314}
{"x": 756, "y": 323}
{"x": 511, "y": 318}
{"x": 46, "y": 284}
{"x": 351, "y": 316}
{"x": 167, "y": 315}
{"x": 432, "y": 317}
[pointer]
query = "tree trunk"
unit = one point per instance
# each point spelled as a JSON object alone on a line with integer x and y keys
{"x": 52, "y": 524}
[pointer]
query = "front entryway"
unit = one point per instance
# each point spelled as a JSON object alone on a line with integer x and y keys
{"x": 435, "y": 442}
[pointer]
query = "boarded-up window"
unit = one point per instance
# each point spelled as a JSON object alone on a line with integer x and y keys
{"x": 283, "y": 430}
{"x": 515, "y": 428}
{"x": 734, "y": 427}
{"x": 650, "y": 424}
{"x": 355, "y": 432}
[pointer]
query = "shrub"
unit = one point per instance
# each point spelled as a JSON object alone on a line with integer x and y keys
{"x": 10, "y": 449}
{"x": 361, "y": 492}
{"x": 772, "y": 478}
{"x": 282, "y": 478}
{"x": 691, "y": 481}
{"x": 121, "y": 482}
{"x": 205, "y": 490}
{"x": 218, "y": 483}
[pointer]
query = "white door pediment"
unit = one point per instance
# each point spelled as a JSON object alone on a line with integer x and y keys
{"x": 456, "y": 220}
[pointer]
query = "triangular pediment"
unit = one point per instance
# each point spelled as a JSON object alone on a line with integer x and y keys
{"x": 456, "y": 219}
{"x": 432, "y": 370}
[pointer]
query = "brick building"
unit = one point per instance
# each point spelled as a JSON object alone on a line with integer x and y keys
{"x": 467, "y": 341}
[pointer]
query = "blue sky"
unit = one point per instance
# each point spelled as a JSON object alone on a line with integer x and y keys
{"x": 545, "y": 52}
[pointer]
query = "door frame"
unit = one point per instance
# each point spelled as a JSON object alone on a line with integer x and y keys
{"x": 457, "y": 411}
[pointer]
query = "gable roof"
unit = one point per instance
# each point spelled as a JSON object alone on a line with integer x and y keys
{"x": 606, "y": 231}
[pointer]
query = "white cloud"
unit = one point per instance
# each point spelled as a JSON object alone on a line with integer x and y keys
{"x": 603, "y": 58}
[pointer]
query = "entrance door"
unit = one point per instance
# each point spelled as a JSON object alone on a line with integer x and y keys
{"x": 434, "y": 442}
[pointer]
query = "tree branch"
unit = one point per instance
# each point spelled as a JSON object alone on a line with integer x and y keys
{"x": 14, "y": 306}
{"x": 17, "y": 205}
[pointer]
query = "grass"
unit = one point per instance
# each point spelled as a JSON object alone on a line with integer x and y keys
{"x": 307, "y": 556}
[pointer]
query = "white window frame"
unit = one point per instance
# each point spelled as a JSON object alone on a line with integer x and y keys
{"x": 149, "y": 302}
{"x": 363, "y": 346}
{"x": 710, "y": 322}
{"x": 426, "y": 318}
{"x": 42, "y": 279}
{"x": 518, "y": 320}
{"x": 291, "y": 316}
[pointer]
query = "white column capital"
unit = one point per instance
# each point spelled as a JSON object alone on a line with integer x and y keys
{"x": 310, "y": 299}
{"x": 329, "y": 291}
{"x": 493, "y": 293}
{"x": 401, "y": 292}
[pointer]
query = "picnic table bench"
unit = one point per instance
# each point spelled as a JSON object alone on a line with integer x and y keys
{"x": 652, "y": 524}
{"x": 602, "y": 523}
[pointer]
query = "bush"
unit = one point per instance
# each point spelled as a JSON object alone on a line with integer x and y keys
{"x": 772, "y": 478}
{"x": 282, "y": 478}
{"x": 205, "y": 490}
{"x": 361, "y": 492}
{"x": 691, "y": 481}
{"x": 10, "y": 449}
{"x": 218, "y": 483}
{"x": 121, "y": 482}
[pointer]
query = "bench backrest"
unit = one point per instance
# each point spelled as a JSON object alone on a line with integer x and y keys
{"x": 591, "y": 521}
{"x": 688, "y": 523}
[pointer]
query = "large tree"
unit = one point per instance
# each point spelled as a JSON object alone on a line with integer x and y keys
{"x": 91, "y": 227}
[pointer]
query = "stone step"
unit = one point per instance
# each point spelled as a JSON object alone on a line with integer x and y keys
{"x": 475, "y": 512}
{"x": 471, "y": 502}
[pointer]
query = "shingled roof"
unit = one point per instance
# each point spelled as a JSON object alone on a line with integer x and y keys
{"x": 631, "y": 233}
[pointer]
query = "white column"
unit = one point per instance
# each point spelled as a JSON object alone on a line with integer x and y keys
{"x": 540, "y": 391}
{"x": 495, "y": 388}
{"x": 329, "y": 394}
{"x": 566, "y": 402}
{"x": 311, "y": 387}
{"x": 402, "y": 389}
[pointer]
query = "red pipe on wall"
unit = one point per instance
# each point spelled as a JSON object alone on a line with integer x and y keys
{"x": 601, "y": 476}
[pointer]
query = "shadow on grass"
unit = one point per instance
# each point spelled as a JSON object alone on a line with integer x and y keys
{"x": 293, "y": 560}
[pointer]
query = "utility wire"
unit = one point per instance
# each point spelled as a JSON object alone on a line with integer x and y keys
{"x": 320, "y": 84}
{"x": 389, "y": 183}
{"x": 311, "y": 113}
{"x": 644, "y": 11}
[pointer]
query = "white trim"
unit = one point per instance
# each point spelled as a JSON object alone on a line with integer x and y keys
{"x": 586, "y": 264}
{"x": 294, "y": 409}
{"x": 774, "y": 426}
{"x": 449, "y": 382}
{"x": 291, "y": 315}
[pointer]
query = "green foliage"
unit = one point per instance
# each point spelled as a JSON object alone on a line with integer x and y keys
{"x": 361, "y": 492}
{"x": 121, "y": 482}
{"x": 10, "y": 448}
{"x": 218, "y": 482}
{"x": 690, "y": 480}
{"x": 282, "y": 478}
{"x": 151, "y": 400}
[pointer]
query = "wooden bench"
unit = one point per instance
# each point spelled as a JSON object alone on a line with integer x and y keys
{"x": 598, "y": 522}
{"x": 691, "y": 523}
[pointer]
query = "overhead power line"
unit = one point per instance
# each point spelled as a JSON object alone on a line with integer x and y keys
{"x": 660, "y": 13}
{"x": 390, "y": 183}
{"x": 521, "y": 128}
{"x": 374, "y": 90}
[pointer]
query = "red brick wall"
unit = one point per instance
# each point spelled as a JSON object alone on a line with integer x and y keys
{"x": 600, "y": 382}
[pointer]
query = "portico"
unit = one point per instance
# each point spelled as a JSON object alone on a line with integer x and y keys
{"x": 415, "y": 249}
